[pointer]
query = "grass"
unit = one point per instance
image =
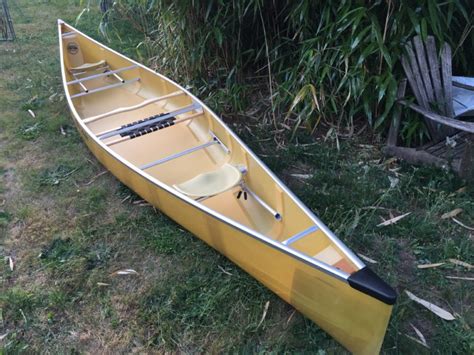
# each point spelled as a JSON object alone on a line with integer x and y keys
{"x": 68, "y": 228}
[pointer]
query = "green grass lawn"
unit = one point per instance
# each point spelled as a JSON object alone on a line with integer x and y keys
{"x": 67, "y": 227}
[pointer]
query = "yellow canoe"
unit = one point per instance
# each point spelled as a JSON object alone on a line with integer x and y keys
{"x": 173, "y": 151}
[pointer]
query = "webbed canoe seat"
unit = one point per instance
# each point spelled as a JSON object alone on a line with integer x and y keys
{"x": 211, "y": 183}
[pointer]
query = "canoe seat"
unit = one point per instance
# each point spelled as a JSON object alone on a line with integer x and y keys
{"x": 88, "y": 66}
{"x": 211, "y": 183}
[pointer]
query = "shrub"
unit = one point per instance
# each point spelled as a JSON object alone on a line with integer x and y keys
{"x": 332, "y": 61}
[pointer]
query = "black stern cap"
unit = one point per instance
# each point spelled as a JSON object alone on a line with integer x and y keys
{"x": 367, "y": 281}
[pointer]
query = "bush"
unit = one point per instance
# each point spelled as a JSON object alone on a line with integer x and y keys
{"x": 332, "y": 61}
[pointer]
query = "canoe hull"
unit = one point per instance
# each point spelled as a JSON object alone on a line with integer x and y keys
{"x": 347, "y": 300}
{"x": 353, "y": 318}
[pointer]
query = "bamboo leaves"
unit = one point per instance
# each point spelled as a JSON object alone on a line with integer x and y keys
{"x": 430, "y": 306}
{"x": 330, "y": 61}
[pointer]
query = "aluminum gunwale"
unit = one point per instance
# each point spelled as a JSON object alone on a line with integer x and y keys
{"x": 328, "y": 269}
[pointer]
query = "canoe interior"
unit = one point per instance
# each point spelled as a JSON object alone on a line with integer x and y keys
{"x": 162, "y": 143}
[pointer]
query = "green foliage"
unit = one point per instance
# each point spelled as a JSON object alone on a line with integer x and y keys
{"x": 16, "y": 302}
{"x": 53, "y": 176}
{"x": 4, "y": 218}
{"x": 30, "y": 131}
{"x": 200, "y": 300}
{"x": 335, "y": 61}
{"x": 60, "y": 250}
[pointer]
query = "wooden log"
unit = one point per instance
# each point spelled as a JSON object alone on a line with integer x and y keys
{"x": 414, "y": 156}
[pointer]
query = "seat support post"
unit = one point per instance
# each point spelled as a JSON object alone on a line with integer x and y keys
{"x": 262, "y": 203}
{"x": 83, "y": 87}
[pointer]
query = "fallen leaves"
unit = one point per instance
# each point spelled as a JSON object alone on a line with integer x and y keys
{"x": 452, "y": 261}
{"x": 462, "y": 224}
{"x": 366, "y": 258}
{"x": 96, "y": 177}
{"x": 32, "y": 114}
{"x": 460, "y": 278}
{"x": 290, "y": 317}
{"x": 125, "y": 272}
{"x": 11, "y": 263}
{"x": 390, "y": 161}
{"x": 452, "y": 213}
{"x": 224, "y": 270}
{"x": 141, "y": 203}
{"x": 392, "y": 220}
{"x": 420, "y": 335}
{"x": 394, "y": 181}
{"x": 302, "y": 176}
{"x": 460, "y": 190}
{"x": 460, "y": 263}
{"x": 265, "y": 310}
{"x": 430, "y": 306}
{"x": 429, "y": 266}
